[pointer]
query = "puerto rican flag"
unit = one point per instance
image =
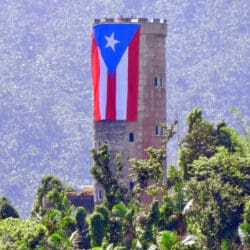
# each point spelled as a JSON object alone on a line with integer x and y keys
{"x": 115, "y": 70}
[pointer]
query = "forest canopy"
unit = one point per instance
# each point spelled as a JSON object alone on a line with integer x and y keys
{"x": 205, "y": 201}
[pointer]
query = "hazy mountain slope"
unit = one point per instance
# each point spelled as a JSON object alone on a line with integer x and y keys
{"x": 45, "y": 84}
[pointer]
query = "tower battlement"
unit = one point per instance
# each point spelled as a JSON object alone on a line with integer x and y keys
{"x": 121, "y": 19}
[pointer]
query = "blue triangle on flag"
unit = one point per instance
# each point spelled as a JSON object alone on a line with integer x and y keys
{"x": 112, "y": 40}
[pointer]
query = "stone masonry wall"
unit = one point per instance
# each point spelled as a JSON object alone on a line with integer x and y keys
{"x": 151, "y": 102}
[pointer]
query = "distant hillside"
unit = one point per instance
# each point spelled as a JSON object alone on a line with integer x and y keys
{"x": 45, "y": 97}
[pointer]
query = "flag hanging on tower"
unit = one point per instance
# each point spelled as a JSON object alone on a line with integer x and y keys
{"x": 115, "y": 70}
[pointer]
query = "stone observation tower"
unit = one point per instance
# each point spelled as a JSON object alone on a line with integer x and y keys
{"x": 129, "y": 87}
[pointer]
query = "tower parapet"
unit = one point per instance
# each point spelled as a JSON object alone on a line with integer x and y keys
{"x": 121, "y": 19}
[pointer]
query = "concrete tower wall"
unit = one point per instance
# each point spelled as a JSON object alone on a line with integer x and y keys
{"x": 151, "y": 100}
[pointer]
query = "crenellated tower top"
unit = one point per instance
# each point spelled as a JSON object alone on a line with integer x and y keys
{"x": 121, "y": 19}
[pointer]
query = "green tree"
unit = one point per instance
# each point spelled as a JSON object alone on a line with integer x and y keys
{"x": 174, "y": 176}
{"x": 151, "y": 170}
{"x": 57, "y": 242}
{"x": 118, "y": 224}
{"x": 59, "y": 229}
{"x": 219, "y": 189}
{"x": 168, "y": 240}
{"x": 166, "y": 211}
{"x": 16, "y": 233}
{"x": 59, "y": 201}
{"x": 48, "y": 183}
{"x": 146, "y": 171}
{"x": 154, "y": 218}
{"x": 80, "y": 238}
{"x": 149, "y": 225}
{"x": 6, "y": 209}
{"x": 203, "y": 138}
{"x": 58, "y": 218}
{"x": 154, "y": 214}
{"x": 53, "y": 209}
{"x": 216, "y": 173}
{"x": 52, "y": 220}
{"x": 245, "y": 226}
{"x": 81, "y": 218}
{"x": 171, "y": 217}
{"x": 35, "y": 238}
{"x": 109, "y": 177}
{"x": 96, "y": 230}
{"x": 67, "y": 225}
{"x": 101, "y": 209}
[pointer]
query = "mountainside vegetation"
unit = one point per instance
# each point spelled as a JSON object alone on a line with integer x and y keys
{"x": 45, "y": 82}
{"x": 204, "y": 205}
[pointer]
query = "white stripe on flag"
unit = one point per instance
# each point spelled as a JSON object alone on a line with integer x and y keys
{"x": 103, "y": 86}
{"x": 122, "y": 87}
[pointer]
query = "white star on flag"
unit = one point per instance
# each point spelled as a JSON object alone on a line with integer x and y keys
{"x": 111, "y": 42}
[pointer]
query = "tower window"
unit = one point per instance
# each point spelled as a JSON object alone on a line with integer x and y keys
{"x": 131, "y": 137}
{"x": 158, "y": 82}
{"x": 157, "y": 130}
{"x": 131, "y": 185}
{"x": 99, "y": 194}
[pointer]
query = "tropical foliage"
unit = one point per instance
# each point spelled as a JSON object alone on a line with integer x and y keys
{"x": 6, "y": 209}
{"x": 205, "y": 202}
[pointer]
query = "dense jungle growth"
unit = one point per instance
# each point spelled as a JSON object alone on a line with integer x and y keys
{"x": 205, "y": 201}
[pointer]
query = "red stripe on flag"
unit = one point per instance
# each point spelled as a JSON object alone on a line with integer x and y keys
{"x": 95, "y": 78}
{"x": 133, "y": 76}
{"x": 111, "y": 99}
